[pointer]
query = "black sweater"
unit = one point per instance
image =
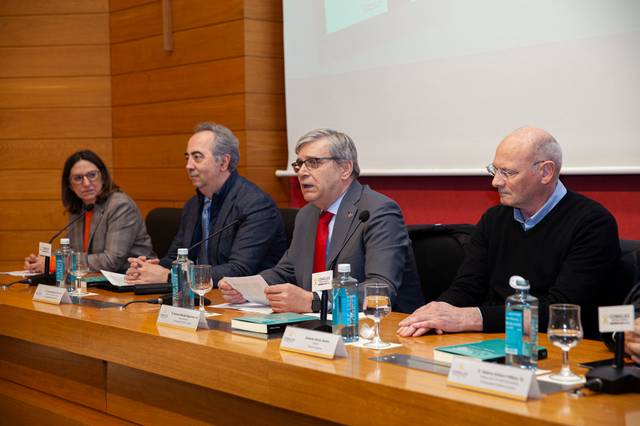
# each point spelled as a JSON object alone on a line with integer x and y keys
{"x": 568, "y": 258}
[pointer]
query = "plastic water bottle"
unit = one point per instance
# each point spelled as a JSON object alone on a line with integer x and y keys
{"x": 64, "y": 259}
{"x": 521, "y": 326}
{"x": 182, "y": 296}
{"x": 345, "y": 304}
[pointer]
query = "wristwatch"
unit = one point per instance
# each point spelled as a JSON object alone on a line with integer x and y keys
{"x": 315, "y": 303}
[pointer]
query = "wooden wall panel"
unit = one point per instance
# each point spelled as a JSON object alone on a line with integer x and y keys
{"x": 55, "y": 98}
{"x": 265, "y": 112}
{"x": 268, "y": 148}
{"x": 264, "y": 75}
{"x": 178, "y": 116}
{"x": 265, "y": 10}
{"x": 263, "y": 38}
{"x": 145, "y": 20}
{"x": 182, "y": 82}
{"x": 54, "y": 61}
{"x": 32, "y": 215}
{"x": 55, "y": 92}
{"x": 53, "y": 30}
{"x": 58, "y": 123}
{"x": 156, "y": 184}
{"x": 49, "y": 153}
{"x": 192, "y": 46}
{"x": 124, "y": 4}
{"x": 52, "y": 7}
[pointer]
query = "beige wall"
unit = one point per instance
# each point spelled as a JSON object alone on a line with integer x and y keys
{"x": 55, "y": 98}
{"x": 91, "y": 74}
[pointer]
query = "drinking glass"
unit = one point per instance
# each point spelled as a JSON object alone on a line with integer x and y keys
{"x": 377, "y": 305}
{"x": 200, "y": 281}
{"x": 565, "y": 331}
{"x": 80, "y": 269}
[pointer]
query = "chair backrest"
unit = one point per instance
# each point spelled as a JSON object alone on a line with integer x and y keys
{"x": 439, "y": 252}
{"x": 289, "y": 218}
{"x": 162, "y": 225}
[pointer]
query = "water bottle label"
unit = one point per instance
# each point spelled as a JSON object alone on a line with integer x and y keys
{"x": 175, "y": 279}
{"x": 514, "y": 331}
{"x": 59, "y": 268}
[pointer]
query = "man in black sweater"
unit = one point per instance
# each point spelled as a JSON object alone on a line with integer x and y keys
{"x": 565, "y": 244}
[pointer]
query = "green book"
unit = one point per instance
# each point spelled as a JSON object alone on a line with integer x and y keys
{"x": 272, "y": 323}
{"x": 486, "y": 350}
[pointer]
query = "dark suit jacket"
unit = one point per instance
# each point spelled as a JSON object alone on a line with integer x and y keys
{"x": 378, "y": 251}
{"x": 117, "y": 232}
{"x": 241, "y": 250}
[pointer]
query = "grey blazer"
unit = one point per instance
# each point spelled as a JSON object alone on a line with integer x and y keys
{"x": 378, "y": 251}
{"x": 117, "y": 232}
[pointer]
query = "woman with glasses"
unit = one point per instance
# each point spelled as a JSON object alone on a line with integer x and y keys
{"x": 112, "y": 228}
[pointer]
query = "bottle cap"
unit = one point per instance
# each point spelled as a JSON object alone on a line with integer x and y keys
{"x": 518, "y": 283}
{"x": 183, "y": 251}
{"x": 344, "y": 267}
{"x": 64, "y": 241}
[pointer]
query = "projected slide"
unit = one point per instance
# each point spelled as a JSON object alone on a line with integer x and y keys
{"x": 430, "y": 87}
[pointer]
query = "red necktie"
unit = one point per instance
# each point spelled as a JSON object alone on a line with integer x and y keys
{"x": 322, "y": 235}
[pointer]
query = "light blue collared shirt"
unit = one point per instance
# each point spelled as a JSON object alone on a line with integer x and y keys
{"x": 333, "y": 208}
{"x": 553, "y": 201}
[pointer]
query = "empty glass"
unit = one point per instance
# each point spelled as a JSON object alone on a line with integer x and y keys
{"x": 200, "y": 281}
{"x": 565, "y": 331}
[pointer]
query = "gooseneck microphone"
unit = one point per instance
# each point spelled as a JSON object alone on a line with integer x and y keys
{"x": 233, "y": 223}
{"x": 363, "y": 217}
{"x": 46, "y": 277}
{"x": 161, "y": 300}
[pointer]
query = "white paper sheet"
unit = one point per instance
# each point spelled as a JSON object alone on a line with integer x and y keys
{"x": 251, "y": 287}
{"x": 115, "y": 278}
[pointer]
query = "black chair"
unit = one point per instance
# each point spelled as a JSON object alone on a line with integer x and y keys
{"x": 162, "y": 225}
{"x": 289, "y": 218}
{"x": 439, "y": 251}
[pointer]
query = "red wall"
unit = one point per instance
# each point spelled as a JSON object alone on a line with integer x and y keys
{"x": 464, "y": 199}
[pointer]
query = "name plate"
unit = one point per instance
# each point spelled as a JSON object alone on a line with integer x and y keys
{"x": 188, "y": 319}
{"x": 322, "y": 281}
{"x": 312, "y": 342}
{"x": 44, "y": 249}
{"x": 50, "y": 294}
{"x": 496, "y": 379}
{"x": 616, "y": 318}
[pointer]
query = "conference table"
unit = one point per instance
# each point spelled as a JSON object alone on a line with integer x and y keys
{"x": 95, "y": 363}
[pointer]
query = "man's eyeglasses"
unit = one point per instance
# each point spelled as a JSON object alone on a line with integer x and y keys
{"x": 507, "y": 173}
{"x": 92, "y": 176}
{"x": 311, "y": 163}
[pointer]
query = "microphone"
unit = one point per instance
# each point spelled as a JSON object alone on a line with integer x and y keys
{"x": 238, "y": 221}
{"x": 363, "y": 217}
{"x": 162, "y": 300}
{"x": 45, "y": 277}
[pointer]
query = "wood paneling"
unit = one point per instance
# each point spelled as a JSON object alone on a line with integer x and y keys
{"x": 150, "y": 151}
{"x": 71, "y": 376}
{"x": 124, "y": 4}
{"x": 183, "y": 82}
{"x": 156, "y": 184}
{"x": 59, "y": 123}
{"x": 268, "y": 148}
{"x": 145, "y": 20}
{"x": 266, "y": 10}
{"x": 50, "y": 30}
{"x": 197, "y": 45}
{"x": 265, "y": 112}
{"x": 49, "y": 153}
{"x": 264, "y": 75}
{"x": 152, "y": 399}
{"x": 32, "y": 215}
{"x": 54, "y": 61}
{"x": 177, "y": 117}
{"x": 55, "y": 92}
{"x": 36, "y": 184}
{"x": 51, "y": 7}
{"x": 16, "y": 245}
{"x": 20, "y": 405}
{"x": 263, "y": 38}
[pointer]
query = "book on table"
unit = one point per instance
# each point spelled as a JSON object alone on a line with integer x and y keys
{"x": 485, "y": 350}
{"x": 271, "y": 323}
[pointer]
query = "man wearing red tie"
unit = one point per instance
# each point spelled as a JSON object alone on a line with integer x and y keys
{"x": 333, "y": 229}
